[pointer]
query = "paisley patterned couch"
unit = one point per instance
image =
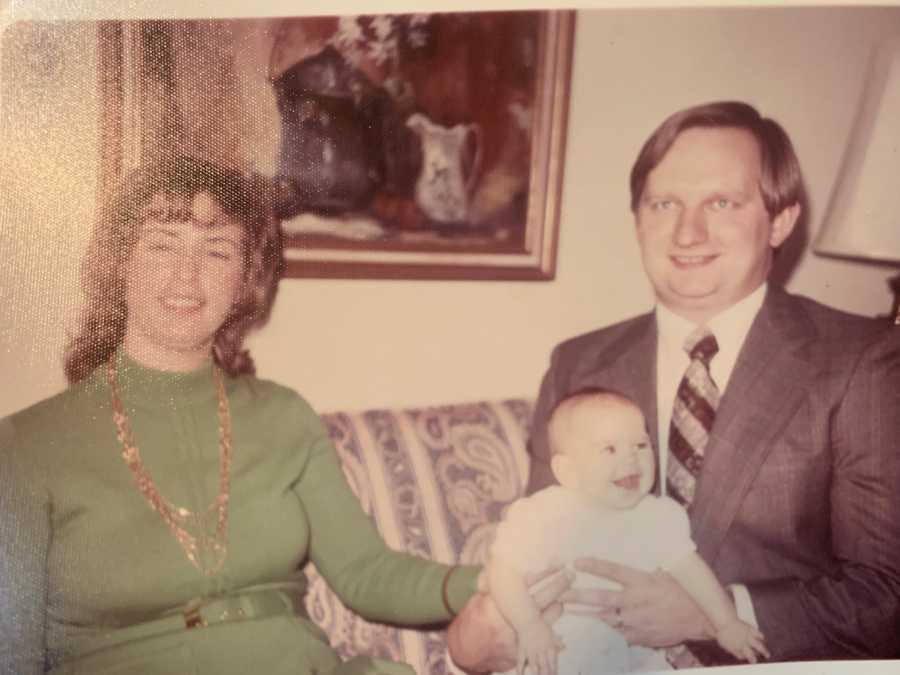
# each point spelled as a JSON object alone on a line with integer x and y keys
{"x": 435, "y": 480}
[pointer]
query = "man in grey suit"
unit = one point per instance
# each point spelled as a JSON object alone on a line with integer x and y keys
{"x": 794, "y": 486}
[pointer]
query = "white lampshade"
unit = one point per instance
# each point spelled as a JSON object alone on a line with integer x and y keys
{"x": 863, "y": 217}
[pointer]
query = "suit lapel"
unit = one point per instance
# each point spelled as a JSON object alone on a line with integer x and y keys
{"x": 629, "y": 366}
{"x": 771, "y": 378}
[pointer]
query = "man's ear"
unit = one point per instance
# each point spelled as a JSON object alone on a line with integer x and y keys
{"x": 562, "y": 469}
{"x": 783, "y": 224}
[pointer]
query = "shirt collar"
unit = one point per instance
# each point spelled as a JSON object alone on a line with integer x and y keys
{"x": 730, "y": 326}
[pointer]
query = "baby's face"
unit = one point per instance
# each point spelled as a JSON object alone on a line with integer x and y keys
{"x": 607, "y": 447}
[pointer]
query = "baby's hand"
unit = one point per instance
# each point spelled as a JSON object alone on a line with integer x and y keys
{"x": 743, "y": 641}
{"x": 538, "y": 647}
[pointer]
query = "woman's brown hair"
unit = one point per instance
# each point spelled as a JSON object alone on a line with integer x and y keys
{"x": 164, "y": 191}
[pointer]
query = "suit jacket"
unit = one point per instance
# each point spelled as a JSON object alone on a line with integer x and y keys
{"x": 799, "y": 495}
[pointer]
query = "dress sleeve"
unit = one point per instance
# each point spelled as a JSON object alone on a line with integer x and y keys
{"x": 24, "y": 543}
{"x": 373, "y": 580}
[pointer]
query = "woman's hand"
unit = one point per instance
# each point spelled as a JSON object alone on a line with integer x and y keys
{"x": 651, "y": 609}
{"x": 481, "y": 640}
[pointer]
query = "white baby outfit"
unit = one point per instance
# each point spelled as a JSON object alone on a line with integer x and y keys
{"x": 557, "y": 526}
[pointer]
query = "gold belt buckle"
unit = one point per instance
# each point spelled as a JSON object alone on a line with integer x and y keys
{"x": 192, "y": 616}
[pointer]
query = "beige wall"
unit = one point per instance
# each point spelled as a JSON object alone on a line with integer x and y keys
{"x": 47, "y": 182}
{"x": 355, "y": 344}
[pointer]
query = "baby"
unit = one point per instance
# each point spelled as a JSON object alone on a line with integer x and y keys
{"x": 605, "y": 465}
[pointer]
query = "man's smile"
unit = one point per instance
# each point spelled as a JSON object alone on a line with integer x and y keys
{"x": 687, "y": 261}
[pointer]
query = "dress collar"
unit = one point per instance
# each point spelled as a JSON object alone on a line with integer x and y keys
{"x": 148, "y": 387}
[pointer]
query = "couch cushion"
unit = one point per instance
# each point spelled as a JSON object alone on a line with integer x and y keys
{"x": 436, "y": 481}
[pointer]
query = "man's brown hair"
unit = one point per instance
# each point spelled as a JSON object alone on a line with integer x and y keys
{"x": 781, "y": 182}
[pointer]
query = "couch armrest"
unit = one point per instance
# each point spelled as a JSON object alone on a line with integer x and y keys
{"x": 435, "y": 481}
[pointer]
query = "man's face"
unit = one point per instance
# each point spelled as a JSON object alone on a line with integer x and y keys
{"x": 706, "y": 238}
{"x": 604, "y": 452}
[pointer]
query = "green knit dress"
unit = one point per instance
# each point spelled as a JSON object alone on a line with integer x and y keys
{"x": 82, "y": 554}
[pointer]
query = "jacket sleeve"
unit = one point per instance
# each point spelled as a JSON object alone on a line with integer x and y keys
{"x": 856, "y": 612}
{"x": 24, "y": 544}
{"x": 540, "y": 475}
{"x": 373, "y": 580}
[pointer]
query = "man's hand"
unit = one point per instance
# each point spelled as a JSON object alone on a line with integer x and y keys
{"x": 481, "y": 640}
{"x": 651, "y": 610}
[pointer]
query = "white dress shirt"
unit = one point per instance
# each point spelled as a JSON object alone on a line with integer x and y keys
{"x": 730, "y": 328}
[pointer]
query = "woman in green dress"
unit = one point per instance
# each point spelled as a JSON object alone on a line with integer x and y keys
{"x": 154, "y": 516}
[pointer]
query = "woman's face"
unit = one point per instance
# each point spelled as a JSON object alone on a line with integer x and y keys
{"x": 181, "y": 281}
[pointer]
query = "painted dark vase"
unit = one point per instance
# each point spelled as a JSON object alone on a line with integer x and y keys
{"x": 331, "y": 157}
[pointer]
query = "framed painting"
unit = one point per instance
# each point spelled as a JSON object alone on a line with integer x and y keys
{"x": 401, "y": 146}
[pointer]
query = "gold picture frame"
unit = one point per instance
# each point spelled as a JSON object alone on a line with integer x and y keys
{"x": 463, "y": 179}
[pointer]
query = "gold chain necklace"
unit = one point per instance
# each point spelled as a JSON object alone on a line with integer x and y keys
{"x": 206, "y": 552}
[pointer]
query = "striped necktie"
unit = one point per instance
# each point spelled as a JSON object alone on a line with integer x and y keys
{"x": 693, "y": 414}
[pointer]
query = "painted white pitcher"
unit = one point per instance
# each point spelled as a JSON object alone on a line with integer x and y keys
{"x": 450, "y": 167}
